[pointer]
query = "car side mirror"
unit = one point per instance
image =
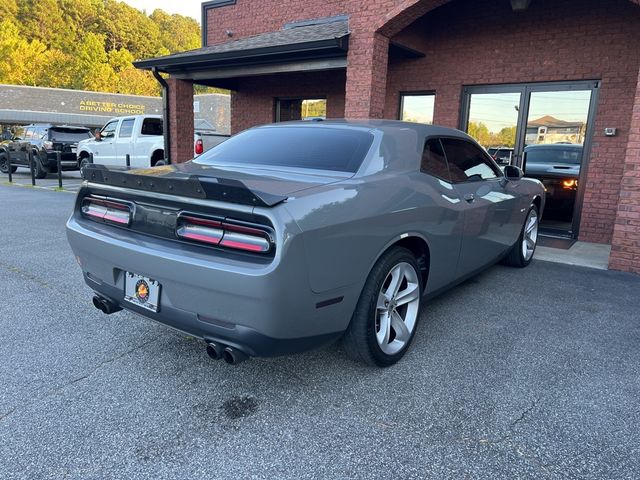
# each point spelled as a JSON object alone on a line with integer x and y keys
{"x": 513, "y": 173}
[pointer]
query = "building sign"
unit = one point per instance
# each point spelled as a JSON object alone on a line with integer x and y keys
{"x": 112, "y": 107}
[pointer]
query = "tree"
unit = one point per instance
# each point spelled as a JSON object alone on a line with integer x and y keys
{"x": 88, "y": 44}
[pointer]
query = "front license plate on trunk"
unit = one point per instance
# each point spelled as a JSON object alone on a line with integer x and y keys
{"x": 142, "y": 291}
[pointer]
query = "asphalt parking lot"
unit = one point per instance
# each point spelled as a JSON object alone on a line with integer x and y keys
{"x": 529, "y": 373}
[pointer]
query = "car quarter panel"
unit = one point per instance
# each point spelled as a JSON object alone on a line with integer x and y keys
{"x": 347, "y": 227}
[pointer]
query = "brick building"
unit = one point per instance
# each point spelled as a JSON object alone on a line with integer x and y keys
{"x": 490, "y": 67}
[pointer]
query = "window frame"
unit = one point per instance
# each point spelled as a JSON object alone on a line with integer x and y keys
{"x": 493, "y": 165}
{"x": 277, "y": 100}
{"x": 416, "y": 93}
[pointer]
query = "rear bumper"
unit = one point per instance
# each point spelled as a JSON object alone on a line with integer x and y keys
{"x": 69, "y": 161}
{"x": 264, "y": 310}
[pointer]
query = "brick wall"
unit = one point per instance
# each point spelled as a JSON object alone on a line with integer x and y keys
{"x": 466, "y": 43}
{"x": 484, "y": 42}
{"x": 180, "y": 119}
{"x": 253, "y": 102}
{"x": 625, "y": 248}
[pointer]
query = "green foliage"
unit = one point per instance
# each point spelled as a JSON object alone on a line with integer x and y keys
{"x": 87, "y": 44}
{"x": 506, "y": 137}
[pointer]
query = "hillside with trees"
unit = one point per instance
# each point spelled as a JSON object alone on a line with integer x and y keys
{"x": 87, "y": 44}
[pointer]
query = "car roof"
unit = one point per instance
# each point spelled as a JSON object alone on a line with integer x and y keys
{"x": 386, "y": 126}
{"x": 51, "y": 125}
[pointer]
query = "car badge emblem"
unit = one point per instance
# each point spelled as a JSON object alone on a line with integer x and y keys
{"x": 142, "y": 291}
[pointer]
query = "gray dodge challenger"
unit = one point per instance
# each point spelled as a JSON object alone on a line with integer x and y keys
{"x": 289, "y": 236}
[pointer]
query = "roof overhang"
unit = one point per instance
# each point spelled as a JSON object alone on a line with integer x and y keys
{"x": 298, "y": 47}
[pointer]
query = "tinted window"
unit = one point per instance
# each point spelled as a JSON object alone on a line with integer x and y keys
{"x": 554, "y": 155}
{"x": 300, "y": 147}
{"x": 69, "y": 134}
{"x": 467, "y": 162}
{"x": 433, "y": 161}
{"x": 126, "y": 129}
{"x": 151, "y": 126}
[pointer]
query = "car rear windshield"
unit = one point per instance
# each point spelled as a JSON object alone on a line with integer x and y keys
{"x": 554, "y": 155}
{"x": 69, "y": 134}
{"x": 321, "y": 148}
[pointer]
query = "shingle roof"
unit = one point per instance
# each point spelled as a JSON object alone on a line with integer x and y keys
{"x": 291, "y": 36}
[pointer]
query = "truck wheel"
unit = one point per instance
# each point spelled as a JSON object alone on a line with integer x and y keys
{"x": 84, "y": 161}
{"x": 40, "y": 171}
{"x": 4, "y": 165}
{"x": 157, "y": 159}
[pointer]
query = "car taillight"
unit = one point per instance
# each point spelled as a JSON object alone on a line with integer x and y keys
{"x": 199, "y": 146}
{"x": 570, "y": 184}
{"x": 224, "y": 233}
{"x": 109, "y": 211}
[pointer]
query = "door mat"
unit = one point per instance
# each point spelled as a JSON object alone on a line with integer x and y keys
{"x": 555, "y": 242}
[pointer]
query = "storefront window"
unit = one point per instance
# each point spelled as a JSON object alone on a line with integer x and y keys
{"x": 417, "y": 107}
{"x": 300, "y": 109}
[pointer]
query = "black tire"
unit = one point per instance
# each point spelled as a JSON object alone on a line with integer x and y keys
{"x": 4, "y": 165}
{"x": 157, "y": 159}
{"x": 84, "y": 161}
{"x": 359, "y": 340}
{"x": 40, "y": 171}
{"x": 516, "y": 257}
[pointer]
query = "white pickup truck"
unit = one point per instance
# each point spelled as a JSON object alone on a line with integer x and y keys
{"x": 139, "y": 136}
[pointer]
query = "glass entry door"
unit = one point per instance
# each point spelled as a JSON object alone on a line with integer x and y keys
{"x": 543, "y": 128}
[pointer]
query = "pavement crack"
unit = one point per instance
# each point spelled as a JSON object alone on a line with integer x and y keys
{"x": 73, "y": 381}
{"x": 524, "y": 414}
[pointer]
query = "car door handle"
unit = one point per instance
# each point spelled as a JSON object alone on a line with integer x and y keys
{"x": 469, "y": 197}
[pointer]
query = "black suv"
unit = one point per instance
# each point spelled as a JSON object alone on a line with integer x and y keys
{"x": 44, "y": 140}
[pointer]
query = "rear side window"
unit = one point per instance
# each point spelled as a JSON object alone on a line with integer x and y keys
{"x": 28, "y": 134}
{"x": 467, "y": 162}
{"x": 126, "y": 129}
{"x": 554, "y": 155}
{"x": 313, "y": 147}
{"x": 151, "y": 126}
{"x": 433, "y": 160}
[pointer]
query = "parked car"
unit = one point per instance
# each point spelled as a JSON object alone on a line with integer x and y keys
{"x": 44, "y": 140}
{"x": 291, "y": 235}
{"x": 557, "y": 166}
{"x": 502, "y": 155}
{"x": 139, "y": 136}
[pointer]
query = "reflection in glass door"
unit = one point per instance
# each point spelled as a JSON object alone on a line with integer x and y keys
{"x": 555, "y": 135}
{"x": 544, "y": 128}
{"x": 493, "y": 120}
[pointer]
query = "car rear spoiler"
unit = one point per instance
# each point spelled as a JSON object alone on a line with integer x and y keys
{"x": 174, "y": 183}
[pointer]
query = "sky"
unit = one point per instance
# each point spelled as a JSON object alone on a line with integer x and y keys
{"x": 189, "y": 8}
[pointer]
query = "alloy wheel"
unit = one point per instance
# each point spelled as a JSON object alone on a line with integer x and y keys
{"x": 530, "y": 237}
{"x": 397, "y": 308}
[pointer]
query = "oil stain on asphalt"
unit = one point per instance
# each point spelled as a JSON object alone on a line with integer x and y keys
{"x": 239, "y": 407}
